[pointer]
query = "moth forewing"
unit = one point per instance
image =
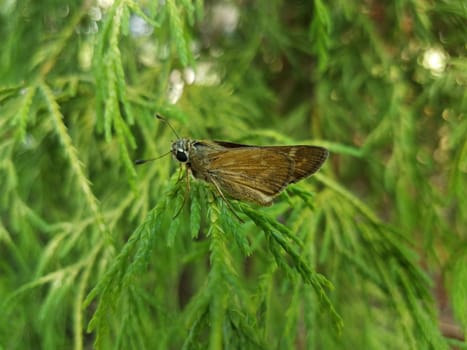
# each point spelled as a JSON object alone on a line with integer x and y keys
{"x": 248, "y": 173}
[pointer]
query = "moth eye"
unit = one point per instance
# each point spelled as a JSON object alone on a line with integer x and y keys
{"x": 181, "y": 156}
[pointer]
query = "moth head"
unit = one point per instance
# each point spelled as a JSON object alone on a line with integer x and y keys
{"x": 180, "y": 150}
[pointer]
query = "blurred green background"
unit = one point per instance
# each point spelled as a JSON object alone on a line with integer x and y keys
{"x": 370, "y": 253}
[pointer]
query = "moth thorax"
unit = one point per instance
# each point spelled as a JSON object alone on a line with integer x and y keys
{"x": 180, "y": 150}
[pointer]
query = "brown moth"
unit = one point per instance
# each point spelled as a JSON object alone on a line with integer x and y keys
{"x": 254, "y": 174}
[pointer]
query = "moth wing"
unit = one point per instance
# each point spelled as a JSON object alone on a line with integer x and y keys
{"x": 254, "y": 174}
{"x": 307, "y": 159}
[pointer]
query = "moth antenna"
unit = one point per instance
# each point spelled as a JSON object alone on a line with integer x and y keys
{"x": 142, "y": 161}
{"x": 158, "y": 116}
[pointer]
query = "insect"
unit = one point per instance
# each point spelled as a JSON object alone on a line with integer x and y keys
{"x": 248, "y": 173}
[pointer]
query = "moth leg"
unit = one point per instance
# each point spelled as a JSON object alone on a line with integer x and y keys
{"x": 187, "y": 177}
{"x": 216, "y": 185}
{"x": 186, "y": 192}
{"x": 180, "y": 173}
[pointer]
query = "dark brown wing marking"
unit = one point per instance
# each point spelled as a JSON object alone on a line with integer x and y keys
{"x": 307, "y": 159}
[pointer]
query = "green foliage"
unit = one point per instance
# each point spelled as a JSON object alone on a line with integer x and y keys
{"x": 370, "y": 253}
